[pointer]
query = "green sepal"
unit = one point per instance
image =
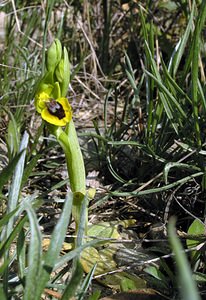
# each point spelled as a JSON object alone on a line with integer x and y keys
{"x": 59, "y": 72}
{"x": 56, "y": 92}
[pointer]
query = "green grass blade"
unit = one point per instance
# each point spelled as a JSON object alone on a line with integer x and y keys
{"x": 86, "y": 283}
{"x": 173, "y": 84}
{"x": 181, "y": 166}
{"x": 152, "y": 119}
{"x": 167, "y": 93}
{"x": 195, "y": 65}
{"x": 21, "y": 253}
{"x": 5, "y": 246}
{"x": 16, "y": 182}
{"x": 34, "y": 255}
{"x": 12, "y": 136}
{"x": 55, "y": 246}
{"x": 202, "y": 96}
{"x": 188, "y": 287}
{"x": 29, "y": 167}
{"x": 9, "y": 169}
{"x": 180, "y": 47}
{"x": 5, "y": 219}
{"x": 113, "y": 172}
{"x": 74, "y": 282}
{"x": 157, "y": 190}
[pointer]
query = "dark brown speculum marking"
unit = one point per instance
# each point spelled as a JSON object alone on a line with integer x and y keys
{"x": 55, "y": 109}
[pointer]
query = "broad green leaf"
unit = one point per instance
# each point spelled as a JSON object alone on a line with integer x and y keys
{"x": 199, "y": 277}
{"x": 131, "y": 283}
{"x": 95, "y": 295}
{"x": 196, "y": 228}
{"x": 104, "y": 257}
{"x": 156, "y": 273}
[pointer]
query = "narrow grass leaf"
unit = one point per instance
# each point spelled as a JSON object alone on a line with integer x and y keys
{"x": 13, "y": 136}
{"x": 74, "y": 282}
{"x": 173, "y": 83}
{"x": 5, "y": 219}
{"x": 9, "y": 169}
{"x": 181, "y": 45}
{"x": 157, "y": 190}
{"x": 106, "y": 109}
{"x": 4, "y": 266}
{"x": 21, "y": 253}
{"x": 171, "y": 98}
{"x": 55, "y": 246}
{"x": 181, "y": 166}
{"x": 113, "y": 172}
{"x": 34, "y": 255}
{"x": 200, "y": 22}
{"x": 202, "y": 95}
{"x": 188, "y": 286}
{"x": 5, "y": 246}
{"x": 130, "y": 75}
{"x": 29, "y": 167}
{"x": 86, "y": 283}
{"x": 152, "y": 119}
{"x": 16, "y": 181}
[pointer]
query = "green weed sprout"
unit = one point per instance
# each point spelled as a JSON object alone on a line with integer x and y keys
{"x": 54, "y": 107}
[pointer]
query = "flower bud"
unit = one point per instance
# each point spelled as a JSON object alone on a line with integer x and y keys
{"x": 62, "y": 73}
{"x": 54, "y": 55}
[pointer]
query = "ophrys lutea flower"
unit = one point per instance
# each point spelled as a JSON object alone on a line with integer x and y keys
{"x": 54, "y": 111}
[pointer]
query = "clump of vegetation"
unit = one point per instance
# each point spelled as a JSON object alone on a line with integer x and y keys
{"x": 131, "y": 75}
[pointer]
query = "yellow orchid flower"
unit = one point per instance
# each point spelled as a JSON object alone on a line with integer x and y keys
{"x": 54, "y": 111}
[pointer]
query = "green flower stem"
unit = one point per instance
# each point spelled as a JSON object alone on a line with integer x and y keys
{"x": 75, "y": 164}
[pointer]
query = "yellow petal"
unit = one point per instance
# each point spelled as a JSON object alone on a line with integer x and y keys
{"x": 40, "y": 101}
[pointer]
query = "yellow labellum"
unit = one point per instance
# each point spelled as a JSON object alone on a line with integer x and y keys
{"x": 58, "y": 113}
{"x": 54, "y": 111}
